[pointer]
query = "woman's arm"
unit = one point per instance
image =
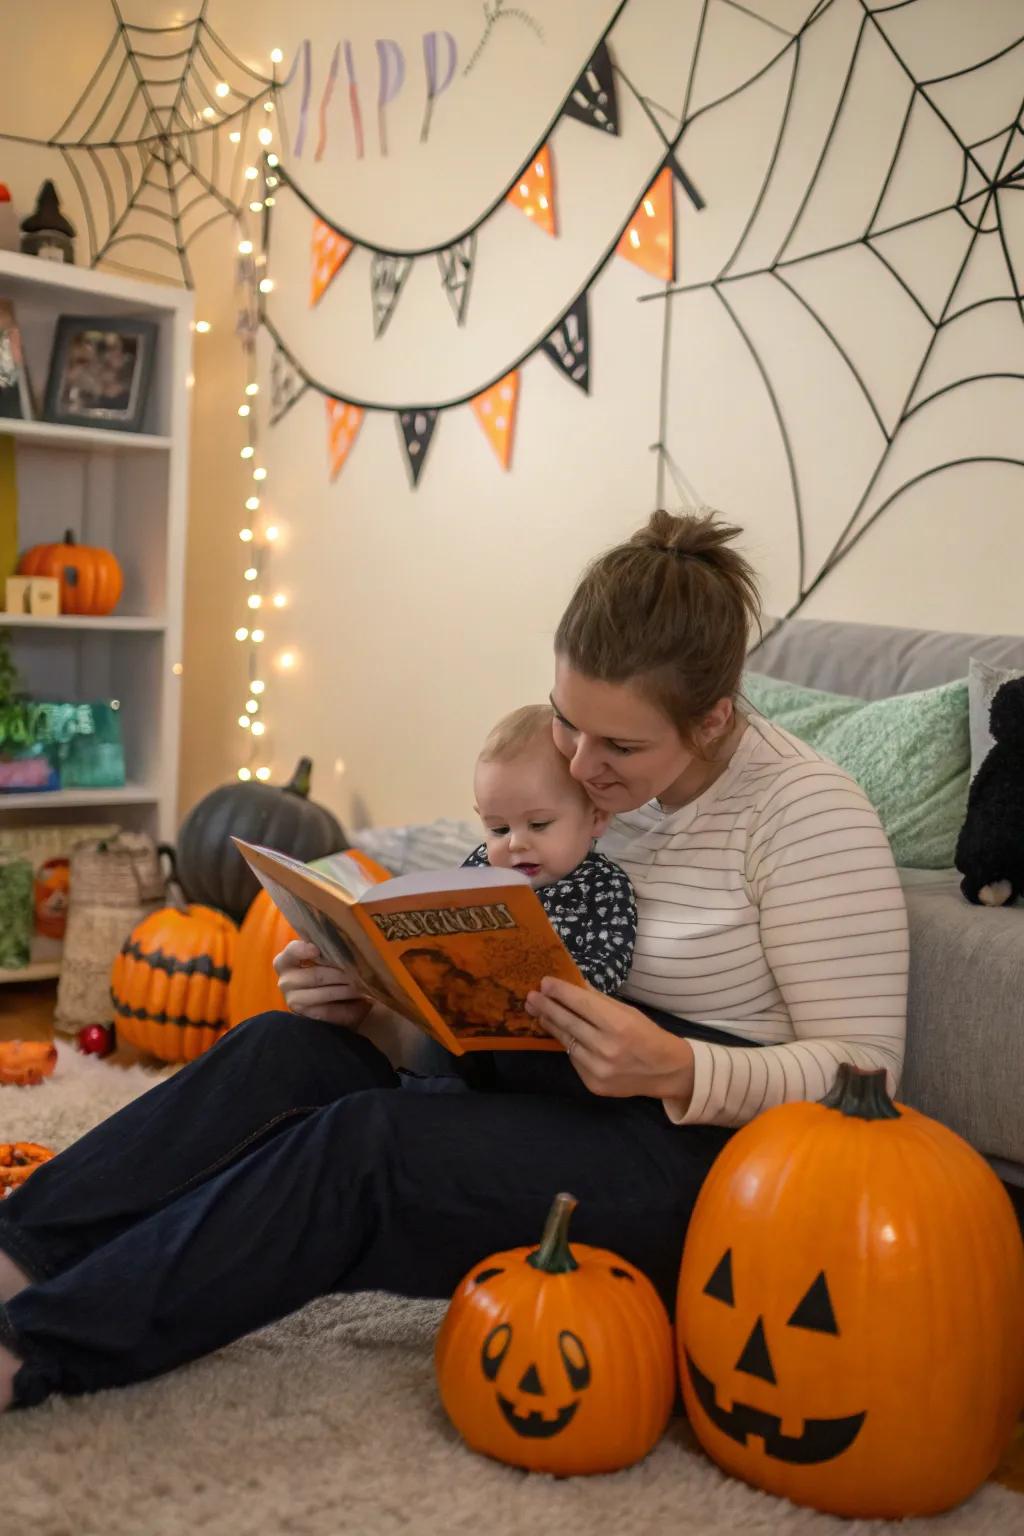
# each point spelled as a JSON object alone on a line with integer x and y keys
{"x": 833, "y": 928}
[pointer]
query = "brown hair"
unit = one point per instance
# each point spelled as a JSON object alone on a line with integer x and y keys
{"x": 517, "y": 731}
{"x": 671, "y": 608}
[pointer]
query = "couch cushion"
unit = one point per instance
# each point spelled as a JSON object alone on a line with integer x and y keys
{"x": 965, "y": 1025}
{"x": 440, "y": 844}
{"x": 909, "y": 753}
{"x": 872, "y": 661}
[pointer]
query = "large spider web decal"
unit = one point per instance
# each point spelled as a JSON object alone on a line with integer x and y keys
{"x": 973, "y": 229}
{"x": 156, "y": 143}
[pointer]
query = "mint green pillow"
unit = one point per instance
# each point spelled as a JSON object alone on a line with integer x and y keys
{"x": 910, "y": 754}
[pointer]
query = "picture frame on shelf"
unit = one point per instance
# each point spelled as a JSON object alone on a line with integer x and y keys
{"x": 100, "y": 372}
{"x": 15, "y": 394}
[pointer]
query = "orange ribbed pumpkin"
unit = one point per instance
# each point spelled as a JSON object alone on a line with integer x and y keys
{"x": 557, "y": 1359}
{"x": 169, "y": 984}
{"x": 90, "y": 578}
{"x": 17, "y": 1160}
{"x": 263, "y": 934}
{"x": 849, "y": 1307}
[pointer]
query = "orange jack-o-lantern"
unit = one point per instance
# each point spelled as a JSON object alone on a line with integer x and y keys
{"x": 557, "y": 1359}
{"x": 50, "y": 897}
{"x": 850, "y": 1305}
{"x": 18, "y": 1159}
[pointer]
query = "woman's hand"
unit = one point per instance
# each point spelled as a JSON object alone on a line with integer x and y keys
{"x": 617, "y": 1050}
{"x": 317, "y": 990}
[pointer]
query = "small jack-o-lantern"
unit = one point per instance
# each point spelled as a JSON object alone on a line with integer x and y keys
{"x": 557, "y": 1359}
{"x": 849, "y": 1307}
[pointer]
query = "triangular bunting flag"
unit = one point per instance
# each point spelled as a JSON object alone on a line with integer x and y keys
{"x": 327, "y": 252}
{"x": 387, "y": 279}
{"x": 417, "y": 429}
{"x": 495, "y": 410}
{"x": 343, "y": 423}
{"x": 456, "y": 265}
{"x": 649, "y": 239}
{"x": 534, "y": 192}
{"x": 593, "y": 100}
{"x": 286, "y": 385}
{"x": 568, "y": 345}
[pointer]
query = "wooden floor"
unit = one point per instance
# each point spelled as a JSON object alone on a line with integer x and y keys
{"x": 26, "y": 1013}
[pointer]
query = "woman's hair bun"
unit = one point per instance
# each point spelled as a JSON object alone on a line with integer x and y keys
{"x": 697, "y": 536}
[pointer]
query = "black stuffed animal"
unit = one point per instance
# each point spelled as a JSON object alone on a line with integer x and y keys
{"x": 990, "y": 848}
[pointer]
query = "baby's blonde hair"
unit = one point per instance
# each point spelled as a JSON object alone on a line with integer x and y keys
{"x": 514, "y": 733}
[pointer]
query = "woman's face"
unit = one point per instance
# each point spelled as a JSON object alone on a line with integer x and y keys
{"x": 621, "y": 747}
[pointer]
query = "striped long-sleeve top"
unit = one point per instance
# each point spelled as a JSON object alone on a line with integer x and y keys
{"x": 770, "y": 908}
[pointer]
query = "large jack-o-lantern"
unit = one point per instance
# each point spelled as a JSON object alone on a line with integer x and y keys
{"x": 850, "y": 1306}
{"x": 557, "y": 1359}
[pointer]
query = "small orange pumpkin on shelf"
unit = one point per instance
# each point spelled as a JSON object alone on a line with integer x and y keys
{"x": 849, "y": 1307}
{"x": 169, "y": 984}
{"x": 18, "y": 1159}
{"x": 557, "y": 1359}
{"x": 91, "y": 580}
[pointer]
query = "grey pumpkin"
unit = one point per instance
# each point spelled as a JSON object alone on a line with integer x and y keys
{"x": 209, "y": 866}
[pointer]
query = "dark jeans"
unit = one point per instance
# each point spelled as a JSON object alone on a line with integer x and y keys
{"x": 290, "y": 1162}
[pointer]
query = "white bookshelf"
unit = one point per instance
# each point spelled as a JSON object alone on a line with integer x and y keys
{"x": 126, "y": 491}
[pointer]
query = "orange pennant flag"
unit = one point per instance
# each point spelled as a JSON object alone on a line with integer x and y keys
{"x": 495, "y": 410}
{"x": 649, "y": 240}
{"x": 343, "y": 423}
{"x": 534, "y": 192}
{"x": 327, "y": 252}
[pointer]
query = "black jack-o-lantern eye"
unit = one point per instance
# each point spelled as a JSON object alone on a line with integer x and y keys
{"x": 623, "y": 1274}
{"x": 487, "y": 1274}
{"x": 495, "y": 1348}
{"x": 574, "y": 1357}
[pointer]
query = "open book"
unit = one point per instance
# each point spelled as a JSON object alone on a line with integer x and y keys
{"x": 453, "y": 950}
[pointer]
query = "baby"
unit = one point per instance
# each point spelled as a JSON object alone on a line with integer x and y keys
{"x": 539, "y": 820}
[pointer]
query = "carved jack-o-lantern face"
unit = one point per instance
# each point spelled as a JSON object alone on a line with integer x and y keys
{"x": 557, "y": 1359}
{"x": 849, "y": 1304}
{"x": 532, "y": 1407}
{"x": 819, "y": 1439}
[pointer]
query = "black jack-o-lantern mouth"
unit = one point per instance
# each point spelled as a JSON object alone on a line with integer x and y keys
{"x": 533, "y": 1423}
{"x": 822, "y": 1439}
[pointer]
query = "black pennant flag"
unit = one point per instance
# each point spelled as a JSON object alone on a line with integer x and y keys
{"x": 456, "y": 264}
{"x": 568, "y": 345}
{"x": 387, "y": 279}
{"x": 287, "y": 386}
{"x": 593, "y": 100}
{"x": 417, "y": 429}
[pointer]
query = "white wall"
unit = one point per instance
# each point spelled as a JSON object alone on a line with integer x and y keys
{"x": 418, "y": 617}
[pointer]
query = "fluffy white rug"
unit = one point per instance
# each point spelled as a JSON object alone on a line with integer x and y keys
{"x": 329, "y": 1423}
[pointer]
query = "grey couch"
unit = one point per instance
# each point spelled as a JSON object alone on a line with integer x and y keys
{"x": 965, "y": 1022}
{"x": 965, "y": 1028}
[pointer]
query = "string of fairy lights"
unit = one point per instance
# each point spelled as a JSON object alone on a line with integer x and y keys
{"x": 259, "y": 530}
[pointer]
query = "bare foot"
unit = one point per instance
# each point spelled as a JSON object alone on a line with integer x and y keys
{"x": 12, "y": 1279}
{"x": 10, "y": 1365}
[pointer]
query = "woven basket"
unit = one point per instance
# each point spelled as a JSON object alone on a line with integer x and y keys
{"x": 115, "y": 883}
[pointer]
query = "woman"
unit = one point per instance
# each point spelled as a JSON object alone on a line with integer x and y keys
{"x": 292, "y": 1161}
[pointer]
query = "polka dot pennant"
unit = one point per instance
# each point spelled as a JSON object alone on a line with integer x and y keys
{"x": 328, "y": 251}
{"x": 649, "y": 239}
{"x": 417, "y": 429}
{"x": 343, "y": 423}
{"x": 495, "y": 410}
{"x": 534, "y": 192}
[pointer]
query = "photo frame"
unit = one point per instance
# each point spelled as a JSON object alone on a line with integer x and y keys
{"x": 100, "y": 372}
{"x": 15, "y": 394}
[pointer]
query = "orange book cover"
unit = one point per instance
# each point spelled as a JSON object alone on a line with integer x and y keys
{"x": 454, "y": 950}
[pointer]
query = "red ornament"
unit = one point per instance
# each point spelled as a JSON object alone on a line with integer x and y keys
{"x": 96, "y": 1040}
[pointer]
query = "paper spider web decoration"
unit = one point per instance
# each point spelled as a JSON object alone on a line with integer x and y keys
{"x": 937, "y": 254}
{"x": 146, "y": 144}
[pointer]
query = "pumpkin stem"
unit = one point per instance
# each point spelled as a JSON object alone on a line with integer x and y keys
{"x": 69, "y": 537}
{"x": 554, "y": 1255}
{"x": 302, "y": 779}
{"x": 861, "y": 1092}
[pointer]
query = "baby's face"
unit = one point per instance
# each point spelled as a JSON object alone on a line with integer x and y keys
{"x": 535, "y": 818}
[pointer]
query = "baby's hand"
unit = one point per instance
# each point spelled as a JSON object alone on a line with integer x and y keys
{"x": 318, "y": 990}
